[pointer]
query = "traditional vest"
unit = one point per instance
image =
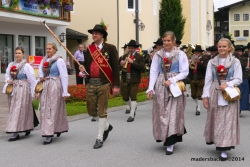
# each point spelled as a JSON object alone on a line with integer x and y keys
{"x": 229, "y": 74}
{"x": 54, "y": 72}
{"x": 21, "y": 75}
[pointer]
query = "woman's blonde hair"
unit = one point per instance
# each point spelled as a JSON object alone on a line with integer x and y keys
{"x": 53, "y": 45}
{"x": 171, "y": 34}
{"x": 229, "y": 44}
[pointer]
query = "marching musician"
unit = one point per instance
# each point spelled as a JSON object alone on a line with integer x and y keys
{"x": 22, "y": 117}
{"x": 197, "y": 71}
{"x": 132, "y": 66}
{"x": 101, "y": 63}
{"x": 244, "y": 87}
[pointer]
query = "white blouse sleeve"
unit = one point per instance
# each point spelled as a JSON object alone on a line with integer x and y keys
{"x": 40, "y": 70}
{"x": 237, "y": 78}
{"x": 208, "y": 80}
{"x": 183, "y": 68}
{"x": 29, "y": 71}
{"x": 154, "y": 72}
{"x": 63, "y": 76}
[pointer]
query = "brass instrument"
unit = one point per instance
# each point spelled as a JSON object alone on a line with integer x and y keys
{"x": 124, "y": 67}
{"x": 190, "y": 49}
{"x": 192, "y": 65}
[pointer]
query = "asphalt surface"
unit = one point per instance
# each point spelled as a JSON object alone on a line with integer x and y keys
{"x": 128, "y": 145}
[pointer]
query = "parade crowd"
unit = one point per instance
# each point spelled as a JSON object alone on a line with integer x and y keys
{"x": 218, "y": 76}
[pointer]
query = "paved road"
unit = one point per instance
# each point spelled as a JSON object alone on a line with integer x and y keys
{"x": 128, "y": 145}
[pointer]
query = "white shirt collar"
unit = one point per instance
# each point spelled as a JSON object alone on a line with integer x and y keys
{"x": 100, "y": 46}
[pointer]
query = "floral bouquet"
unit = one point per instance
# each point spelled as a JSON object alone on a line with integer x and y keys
{"x": 67, "y": 5}
{"x": 167, "y": 63}
{"x": 55, "y": 4}
{"x": 13, "y": 72}
{"x": 45, "y": 67}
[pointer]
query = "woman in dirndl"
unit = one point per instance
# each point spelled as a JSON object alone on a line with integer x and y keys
{"x": 222, "y": 126}
{"x": 53, "y": 74}
{"x": 21, "y": 76}
{"x": 168, "y": 109}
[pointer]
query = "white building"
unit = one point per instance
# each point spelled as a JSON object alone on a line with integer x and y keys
{"x": 19, "y": 27}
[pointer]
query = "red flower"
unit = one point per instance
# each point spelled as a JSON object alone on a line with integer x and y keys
{"x": 46, "y": 64}
{"x": 220, "y": 68}
{"x": 13, "y": 68}
{"x": 165, "y": 59}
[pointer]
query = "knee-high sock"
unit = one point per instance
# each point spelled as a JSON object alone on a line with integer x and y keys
{"x": 128, "y": 104}
{"x": 133, "y": 107}
{"x": 102, "y": 126}
{"x": 196, "y": 102}
{"x": 199, "y": 105}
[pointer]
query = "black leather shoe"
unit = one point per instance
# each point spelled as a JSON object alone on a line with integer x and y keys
{"x": 222, "y": 158}
{"x": 93, "y": 120}
{"x": 47, "y": 142}
{"x": 130, "y": 119}
{"x": 58, "y": 134}
{"x": 169, "y": 153}
{"x": 27, "y": 133}
{"x": 197, "y": 112}
{"x": 106, "y": 132}
{"x": 127, "y": 111}
{"x": 98, "y": 144}
{"x": 14, "y": 139}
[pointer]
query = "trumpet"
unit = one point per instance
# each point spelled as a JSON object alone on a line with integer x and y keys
{"x": 124, "y": 67}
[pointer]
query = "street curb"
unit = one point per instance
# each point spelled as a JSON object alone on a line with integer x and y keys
{"x": 84, "y": 116}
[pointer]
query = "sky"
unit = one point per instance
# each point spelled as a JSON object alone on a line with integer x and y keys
{"x": 221, "y": 3}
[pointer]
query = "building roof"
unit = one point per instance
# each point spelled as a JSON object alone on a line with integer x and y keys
{"x": 72, "y": 34}
{"x": 233, "y": 4}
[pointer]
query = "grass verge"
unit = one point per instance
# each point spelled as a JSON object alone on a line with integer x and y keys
{"x": 75, "y": 108}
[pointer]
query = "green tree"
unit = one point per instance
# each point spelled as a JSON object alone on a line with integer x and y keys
{"x": 171, "y": 18}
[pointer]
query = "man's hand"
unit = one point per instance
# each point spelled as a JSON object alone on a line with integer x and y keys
{"x": 196, "y": 60}
{"x": 116, "y": 91}
{"x": 81, "y": 68}
{"x": 130, "y": 60}
{"x": 122, "y": 63}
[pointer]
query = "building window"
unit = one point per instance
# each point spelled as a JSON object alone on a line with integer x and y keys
{"x": 245, "y": 17}
{"x": 130, "y": 4}
{"x": 236, "y": 33}
{"x": 6, "y": 51}
{"x": 24, "y": 41}
{"x": 246, "y": 33}
{"x": 236, "y": 17}
{"x": 39, "y": 46}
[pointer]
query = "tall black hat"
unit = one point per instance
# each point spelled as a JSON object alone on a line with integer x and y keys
{"x": 125, "y": 46}
{"x": 248, "y": 45}
{"x": 213, "y": 48}
{"x": 159, "y": 41}
{"x": 184, "y": 47}
{"x": 178, "y": 42}
{"x": 133, "y": 43}
{"x": 208, "y": 48}
{"x": 238, "y": 47}
{"x": 154, "y": 47}
{"x": 198, "y": 48}
{"x": 100, "y": 29}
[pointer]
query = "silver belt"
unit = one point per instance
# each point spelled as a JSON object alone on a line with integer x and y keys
{"x": 128, "y": 75}
{"x": 95, "y": 81}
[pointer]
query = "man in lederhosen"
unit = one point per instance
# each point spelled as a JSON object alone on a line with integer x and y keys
{"x": 101, "y": 63}
{"x": 132, "y": 65}
{"x": 197, "y": 72}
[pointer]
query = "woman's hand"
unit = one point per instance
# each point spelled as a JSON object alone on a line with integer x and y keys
{"x": 205, "y": 103}
{"x": 223, "y": 86}
{"x": 167, "y": 83}
{"x": 150, "y": 94}
{"x": 36, "y": 96}
{"x": 64, "y": 98}
{"x": 10, "y": 81}
{"x": 42, "y": 79}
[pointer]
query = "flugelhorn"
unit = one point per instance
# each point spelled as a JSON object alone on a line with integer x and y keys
{"x": 43, "y": 22}
{"x": 124, "y": 67}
